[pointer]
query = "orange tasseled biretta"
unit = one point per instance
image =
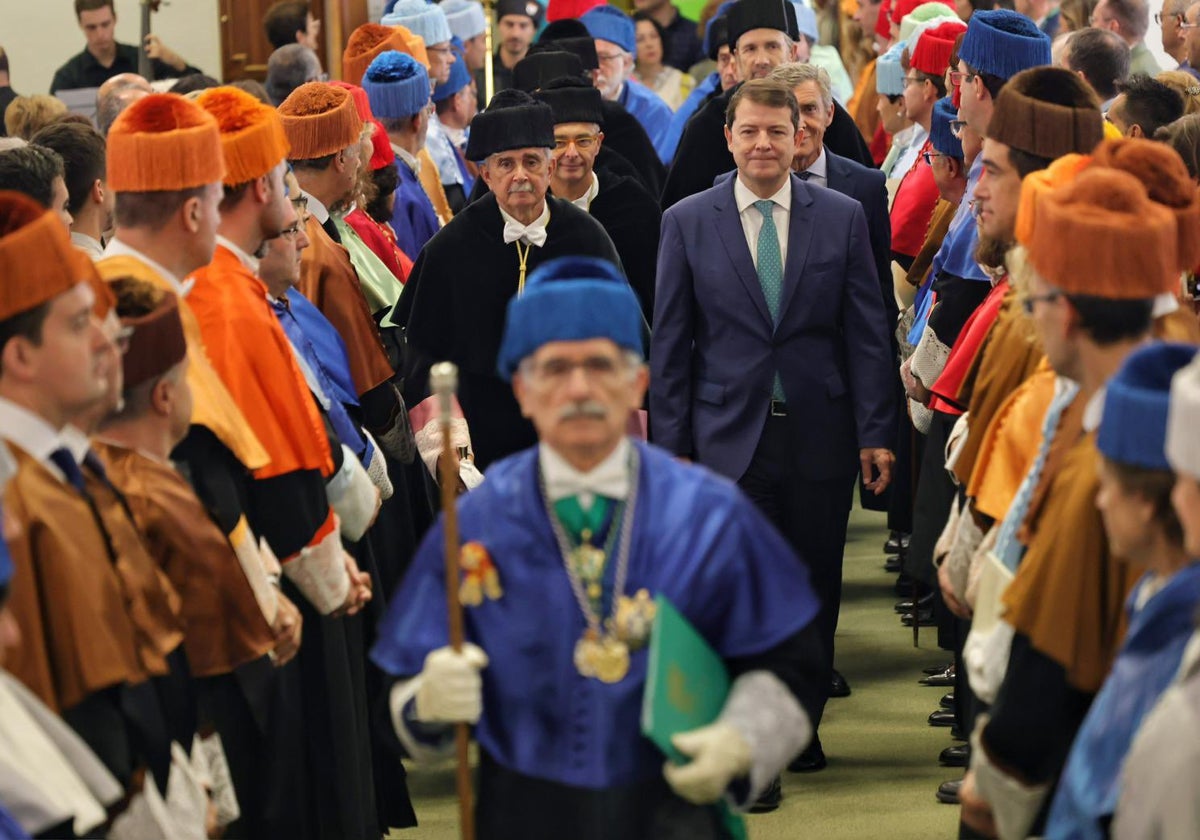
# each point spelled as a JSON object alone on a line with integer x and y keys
{"x": 163, "y": 143}
{"x": 252, "y": 138}
{"x": 319, "y": 119}
{"x": 37, "y": 262}
{"x": 373, "y": 39}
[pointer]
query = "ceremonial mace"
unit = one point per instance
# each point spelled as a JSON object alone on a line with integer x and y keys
{"x": 443, "y": 377}
{"x": 489, "y": 79}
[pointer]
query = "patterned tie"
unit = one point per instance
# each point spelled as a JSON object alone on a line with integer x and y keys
{"x": 1009, "y": 549}
{"x": 66, "y": 463}
{"x": 770, "y": 272}
{"x": 804, "y": 176}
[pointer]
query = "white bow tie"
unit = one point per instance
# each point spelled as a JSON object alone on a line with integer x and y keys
{"x": 534, "y": 234}
{"x": 610, "y": 478}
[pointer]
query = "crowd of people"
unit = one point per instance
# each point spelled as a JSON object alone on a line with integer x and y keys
{"x": 706, "y": 285}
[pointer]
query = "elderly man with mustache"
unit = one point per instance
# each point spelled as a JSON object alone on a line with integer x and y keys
{"x": 572, "y": 540}
{"x": 453, "y": 304}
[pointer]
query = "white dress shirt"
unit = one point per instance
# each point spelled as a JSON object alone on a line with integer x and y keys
{"x": 584, "y": 202}
{"x": 117, "y": 248}
{"x": 908, "y": 157}
{"x": 817, "y": 173}
{"x": 608, "y": 478}
{"x": 249, "y": 262}
{"x": 76, "y": 441}
{"x": 31, "y": 433}
{"x": 752, "y": 220}
{"x": 315, "y": 208}
{"x": 411, "y": 161}
{"x": 94, "y": 248}
{"x": 533, "y": 233}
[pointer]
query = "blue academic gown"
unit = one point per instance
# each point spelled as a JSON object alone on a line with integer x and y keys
{"x": 728, "y": 571}
{"x": 1145, "y": 666}
{"x": 700, "y": 93}
{"x": 651, "y": 111}
{"x": 413, "y": 218}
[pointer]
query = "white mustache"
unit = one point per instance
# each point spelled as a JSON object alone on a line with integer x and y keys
{"x": 585, "y": 408}
{"x": 521, "y": 188}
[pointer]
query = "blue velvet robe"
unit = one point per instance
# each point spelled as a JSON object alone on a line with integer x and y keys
{"x": 696, "y": 539}
{"x": 651, "y": 111}
{"x": 1145, "y": 666}
{"x": 413, "y": 217}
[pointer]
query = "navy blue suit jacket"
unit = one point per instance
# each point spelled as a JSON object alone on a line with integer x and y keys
{"x": 869, "y": 188}
{"x": 715, "y": 349}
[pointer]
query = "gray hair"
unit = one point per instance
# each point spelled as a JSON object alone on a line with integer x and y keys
{"x": 795, "y": 74}
{"x": 288, "y": 68}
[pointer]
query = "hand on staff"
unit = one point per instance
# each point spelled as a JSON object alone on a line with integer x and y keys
{"x": 287, "y": 629}
{"x": 156, "y": 50}
{"x": 451, "y": 689}
{"x": 877, "y": 460}
{"x": 976, "y": 812}
{"x": 460, "y": 487}
{"x": 950, "y": 597}
{"x": 360, "y": 589}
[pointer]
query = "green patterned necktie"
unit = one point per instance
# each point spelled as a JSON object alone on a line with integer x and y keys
{"x": 770, "y": 271}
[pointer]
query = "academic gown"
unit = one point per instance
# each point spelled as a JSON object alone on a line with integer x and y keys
{"x": 1158, "y": 632}
{"x": 650, "y": 110}
{"x": 561, "y": 754}
{"x": 413, "y": 217}
{"x": 632, "y": 220}
{"x": 454, "y": 305}
{"x": 624, "y": 134}
{"x": 703, "y": 153}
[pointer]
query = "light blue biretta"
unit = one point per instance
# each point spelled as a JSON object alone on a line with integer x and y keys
{"x": 941, "y": 137}
{"x": 1133, "y": 430}
{"x": 421, "y": 18}
{"x": 570, "y": 299}
{"x": 465, "y": 17}
{"x": 608, "y": 23}
{"x": 397, "y": 85}
{"x": 889, "y": 74}
{"x": 1003, "y": 43}
{"x": 806, "y": 21}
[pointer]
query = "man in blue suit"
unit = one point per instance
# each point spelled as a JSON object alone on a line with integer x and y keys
{"x": 770, "y": 359}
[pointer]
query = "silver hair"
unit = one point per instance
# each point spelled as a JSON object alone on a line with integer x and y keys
{"x": 794, "y": 74}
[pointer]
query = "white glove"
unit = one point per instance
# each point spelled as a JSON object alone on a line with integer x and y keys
{"x": 719, "y": 755}
{"x": 450, "y": 688}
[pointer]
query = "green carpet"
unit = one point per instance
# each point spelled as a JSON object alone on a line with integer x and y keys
{"x": 883, "y": 768}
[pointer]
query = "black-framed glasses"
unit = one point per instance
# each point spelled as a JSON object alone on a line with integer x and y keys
{"x": 1029, "y": 301}
{"x": 929, "y": 156}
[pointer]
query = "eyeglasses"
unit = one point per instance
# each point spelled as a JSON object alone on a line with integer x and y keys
{"x": 583, "y": 142}
{"x": 290, "y": 233}
{"x": 1183, "y": 24}
{"x": 957, "y": 78}
{"x": 1160, "y": 18}
{"x": 1029, "y": 301}
{"x": 617, "y": 56}
{"x": 913, "y": 80}
{"x": 956, "y": 127}
{"x": 439, "y": 50}
{"x": 558, "y": 372}
{"x": 929, "y": 156}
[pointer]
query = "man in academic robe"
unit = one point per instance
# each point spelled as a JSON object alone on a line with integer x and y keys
{"x": 517, "y": 22}
{"x": 398, "y": 89}
{"x": 762, "y": 35}
{"x": 240, "y": 630}
{"x": 453, "y": 304}
{"x": 755, "y": 375}
{"x": 1092, "y": 306}
{"x": 556, "y": 694}
{"x": 628, "y": 213}
{"x": 84, "y": 653}
{"x": 454, "y": 107}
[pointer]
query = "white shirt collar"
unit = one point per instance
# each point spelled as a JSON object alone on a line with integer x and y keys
{"x": 245, "y": 259}
{"x": 75, "y": 440}
{"x": 94, "y": 248}
{"x": 608, "y": 478}
{"x": 318, "y": 210}
{"x": 117, "y": 248}
{"x": 413, "y": 162}
{"x": 1164, "y": 304}
{"x": 584, "y": 202}
{"x": 745, "y": 198}
{"x": 511, "y": 223}
{"x": 21, "y": 427}
{"x": 1093, "y": 412}
{"x": 820, "y": 166}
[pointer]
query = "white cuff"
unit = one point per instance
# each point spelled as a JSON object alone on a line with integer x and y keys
{"x": 353, "y": 496}
{"x": 929, "y": 358}
{"x": 376, "y": 466}
{"x": 319, "y": 572}
{"x": 257, "y": 568}
{"x": 417, "y": 750}
{"x": 427, "y": 430}
{"x": 766, "y": 713}
{"x": 1014, "y": 805}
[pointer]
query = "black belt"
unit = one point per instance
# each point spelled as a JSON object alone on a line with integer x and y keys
{"x": 778, "y": 408}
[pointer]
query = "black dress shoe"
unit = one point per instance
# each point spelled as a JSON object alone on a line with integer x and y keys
{"x": 894, "y": 564}
{"x": 838, "y": 687}
{"x": 924, "y": 617}
{"x": 811, "y": 760}
{"x": 935, "y": 669}
{"x": 947, "y": 792}
{"x": 895, "y": 542}
{"x": 945, "y": 678}
{"x": 925, "y": 602}
{"x": 958, "y": 755}
{"x": 770, "y": 799}
{"x": 941, "y": 717}
{"x": 947, "y": 701}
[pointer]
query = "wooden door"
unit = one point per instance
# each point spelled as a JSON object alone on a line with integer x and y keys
{"x": 245, "y": 48}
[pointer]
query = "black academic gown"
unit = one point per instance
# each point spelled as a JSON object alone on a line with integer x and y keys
{"x": 632, "y": 219}
{"x": 703, "y": 154}
{"x": 454, "y": 307}
{"x": 624, "y": 134}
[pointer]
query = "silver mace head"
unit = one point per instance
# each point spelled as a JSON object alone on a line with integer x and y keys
{"x": 443, "y": 378}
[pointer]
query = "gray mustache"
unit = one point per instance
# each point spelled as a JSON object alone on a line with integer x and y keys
{"x": 521, "y": 188}
{"x": 587, "y": 408}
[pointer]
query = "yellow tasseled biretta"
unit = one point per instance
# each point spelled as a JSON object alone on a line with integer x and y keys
{"x": 319, "y": 119}
{"x": 373, "y": 39}
{"x": 1058, "y": 173}
{"x": 1101, "y": 235}
{"x": 163, "y": 143}
{"x": 37, "y": 262}
{"x": 252, "y": 137}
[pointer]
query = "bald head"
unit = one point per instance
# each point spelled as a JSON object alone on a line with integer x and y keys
{"x": 122, "y": 81}
{"x": 109, "y": 107}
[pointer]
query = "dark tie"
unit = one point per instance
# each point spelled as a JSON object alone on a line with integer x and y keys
{"x": 805, "y": 175}
{"x": 65, "y": 461}
{"x": 332, "y": 230}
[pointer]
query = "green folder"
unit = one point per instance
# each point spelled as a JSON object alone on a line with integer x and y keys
{"x": 686, "y": 687}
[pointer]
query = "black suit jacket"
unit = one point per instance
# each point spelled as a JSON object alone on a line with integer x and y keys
{"x": 868, "y": 187}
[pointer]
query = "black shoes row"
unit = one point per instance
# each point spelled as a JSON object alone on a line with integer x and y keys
{"x": 955, "y": 755}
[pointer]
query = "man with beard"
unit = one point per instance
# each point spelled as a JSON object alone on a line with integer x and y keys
{"x": 628, "y": 213}
{"x": 762, "y": 35}
{"x": 453, "y": 304}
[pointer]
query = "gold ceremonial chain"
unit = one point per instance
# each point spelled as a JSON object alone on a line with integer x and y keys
{"x": 524, "y": 258}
